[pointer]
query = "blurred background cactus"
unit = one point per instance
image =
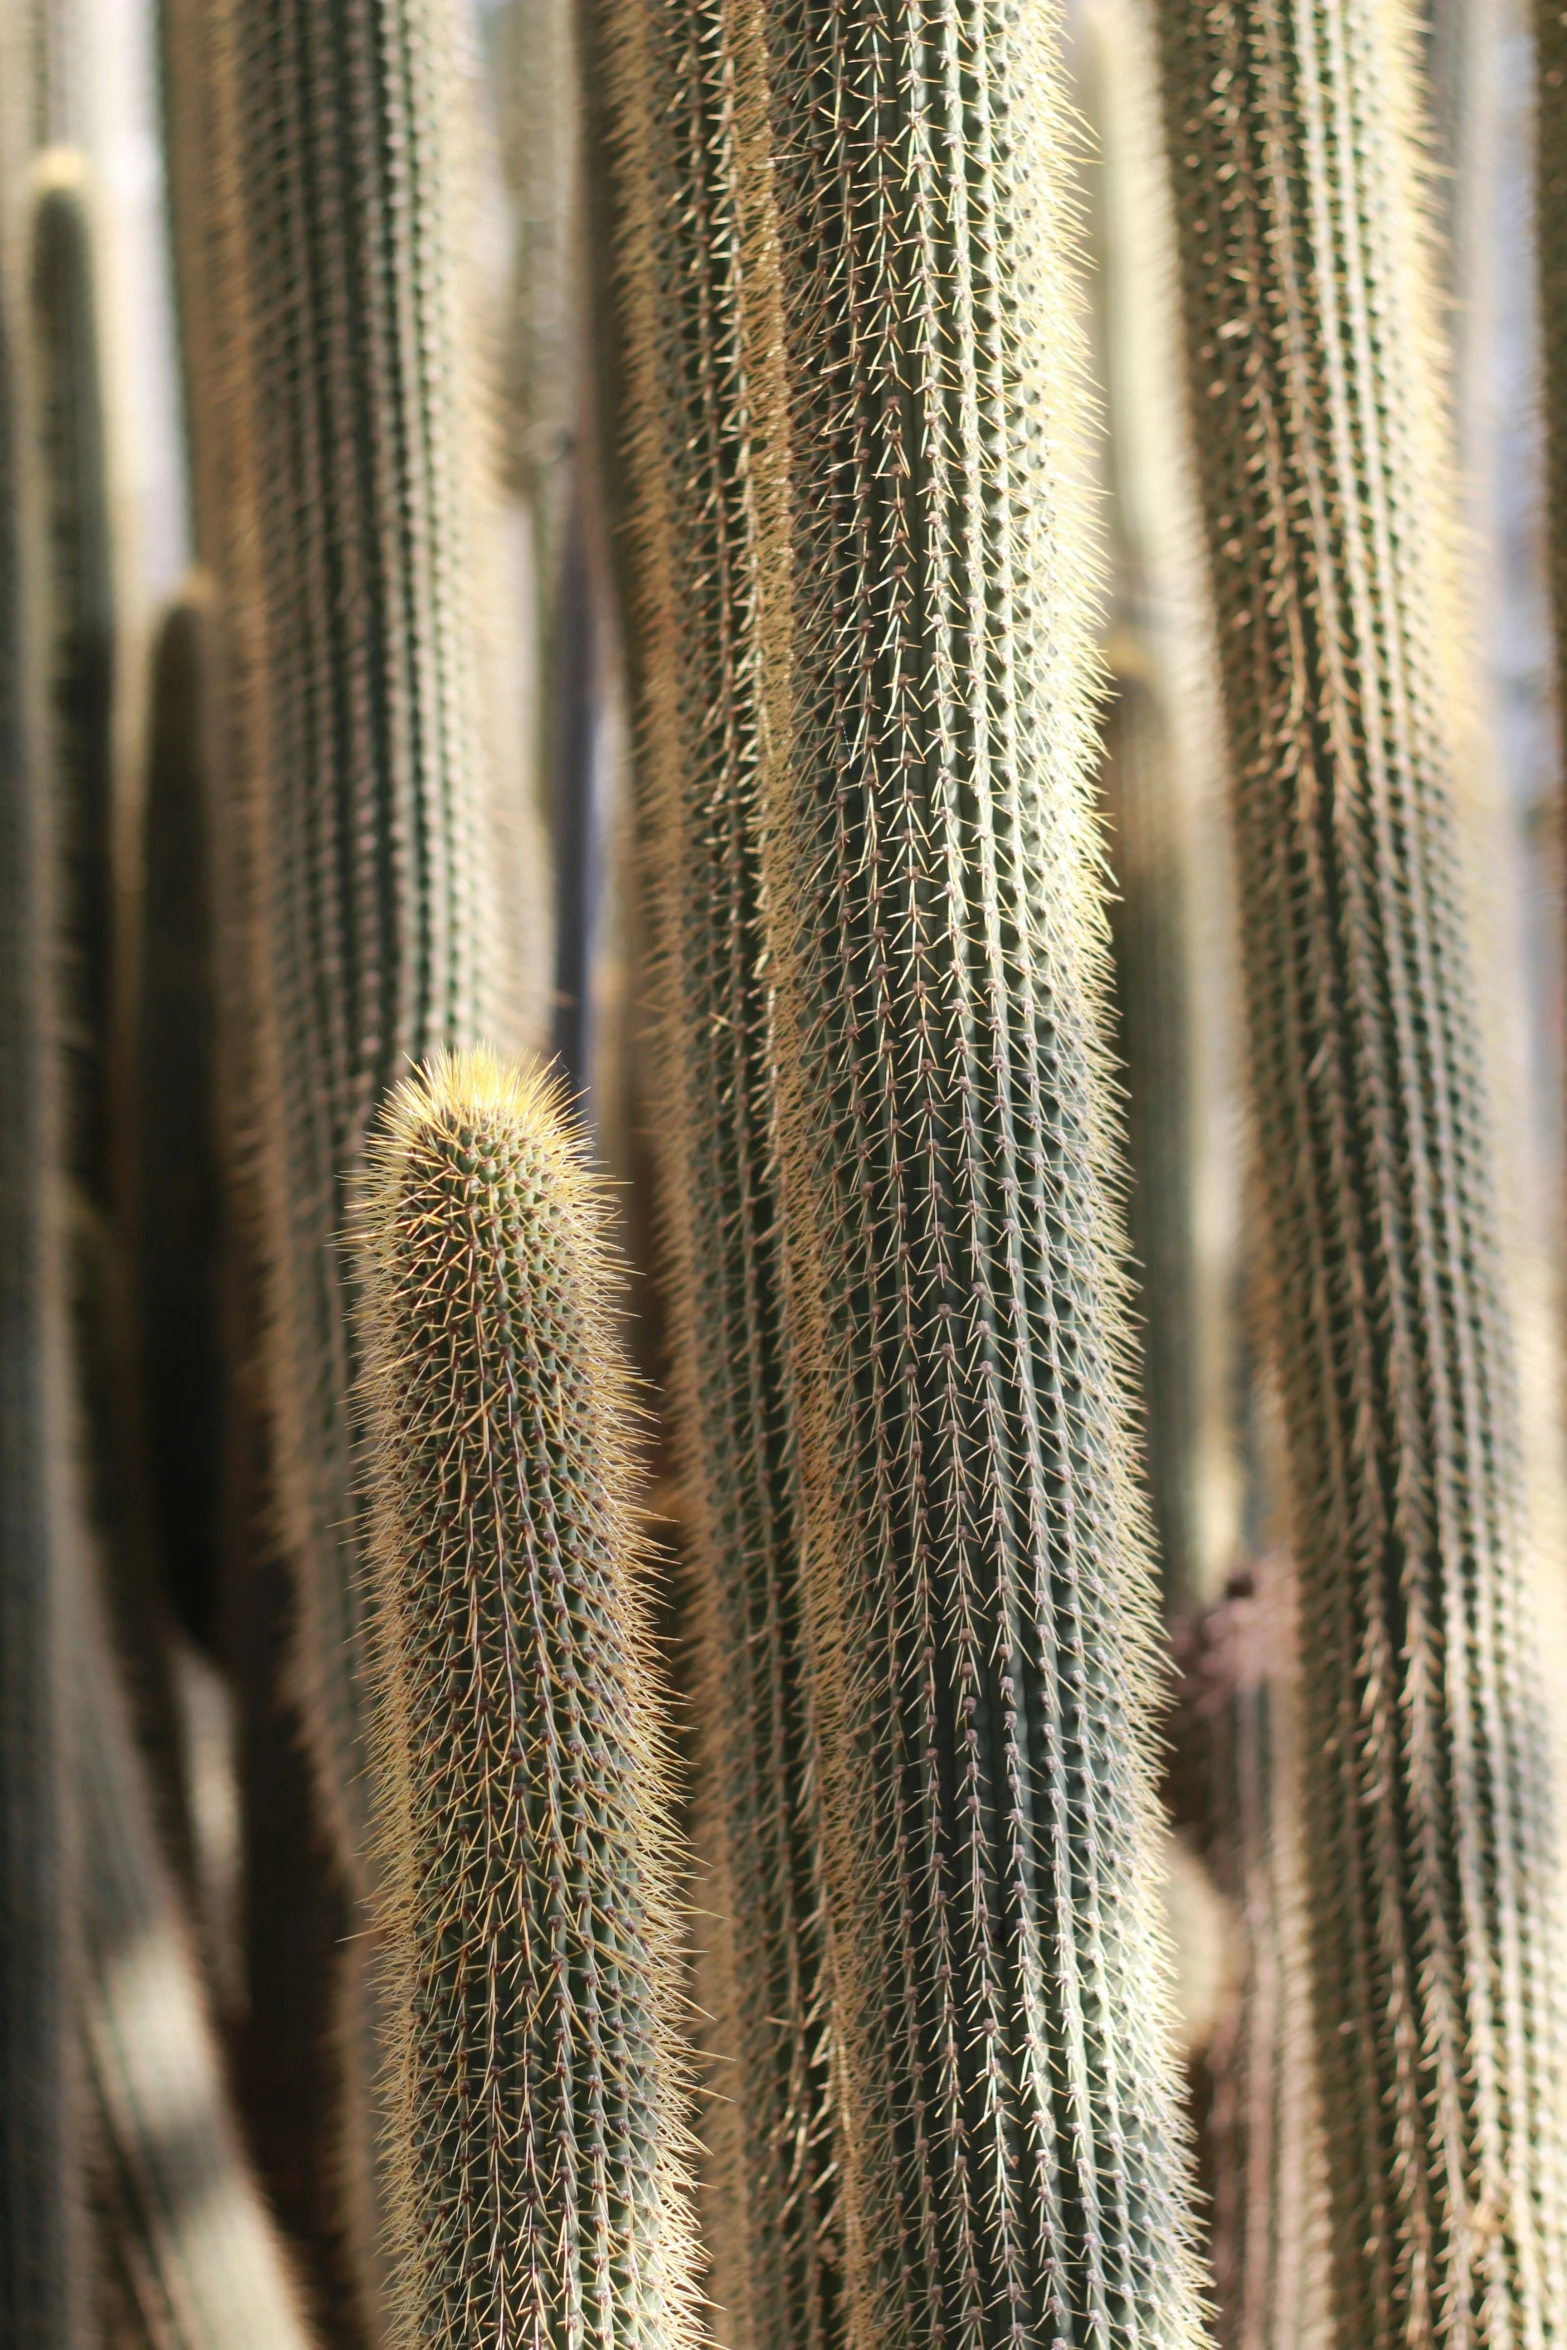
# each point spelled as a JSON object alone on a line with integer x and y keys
{"x": 952, "y": 619}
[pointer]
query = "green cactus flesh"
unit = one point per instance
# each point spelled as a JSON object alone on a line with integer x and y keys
{"x": 38, "y": 2253}
{"x": 767, "y": 2190}
{"x": 1430, "y": 1853}
{"x": 522, "y": 1793}
{"x": 894, "y": 716}
{"x": 336, "y": 403}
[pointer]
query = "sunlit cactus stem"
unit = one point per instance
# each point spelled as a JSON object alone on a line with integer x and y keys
{"x": 1431, "y": 1858}
{"x": 523, "y": 1797}
{"x": 863, "y": 626}
{"x": 686, "y": 101}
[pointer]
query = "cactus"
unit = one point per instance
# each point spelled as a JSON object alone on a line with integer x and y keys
{"x": 888, "y": 353}
{"x": 522, "y": 1791}
{"x": 1431, "y": 1861}
{"x": 39, "y": 2246}
{"x": 179, "y": 1232}
{"x": 339, "y": 504}
{"x": 768, "y": 2197}
{"x": 197, "y": 2249}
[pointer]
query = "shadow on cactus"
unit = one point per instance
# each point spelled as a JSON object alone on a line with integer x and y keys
{"x": 521, "y": 1788}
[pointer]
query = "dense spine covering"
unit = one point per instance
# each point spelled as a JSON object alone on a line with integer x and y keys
{"x": 887, "y": 738}
{"x": 39, "y": 2251}
{"x": 979, "y": 1599}
{"x": 1550, "y": 201}
{"x": 522, "y": 1791}
{"x": 338, "y": 504}
{"x": 686, "y": 110}
{"x": 1431, "y": 1856}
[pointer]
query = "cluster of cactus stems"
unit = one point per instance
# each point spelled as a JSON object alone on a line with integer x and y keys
{"x": 313, "y": 1334}
{"x": 1430, "y": 1841}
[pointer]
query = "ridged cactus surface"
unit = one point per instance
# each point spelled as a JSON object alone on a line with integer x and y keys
{"x": 692, "y": 249}
{"x": 39, "y": 2252}
{"x": 894, "y": 713}
{"x": 338, "y": 424}
{"x": 1430, "y": 1845}
{"x": 522, "y": 1790}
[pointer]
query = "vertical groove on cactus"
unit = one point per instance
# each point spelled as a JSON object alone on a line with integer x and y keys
{"x": 1150, "y": 945}
{"x": 894, "y": 717}
{"x": 681, "y": 97}
{"x": 1431, "y": 1849}
{"x": 39, "y": 2250}
{"x": 194, "y": 2241}
{"x": 522, "y": 1792}
{"x": 1550, "y": 199}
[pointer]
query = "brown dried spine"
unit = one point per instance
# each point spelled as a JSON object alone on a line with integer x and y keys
{"x": 522, "y": 1790}
{"x": 1430, "y": 1849}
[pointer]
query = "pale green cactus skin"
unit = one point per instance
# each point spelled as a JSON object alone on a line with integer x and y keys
{"x": 868, "y": 669}
{"x": 523, "y": 1797}
{"x": 1431, "y": 1863}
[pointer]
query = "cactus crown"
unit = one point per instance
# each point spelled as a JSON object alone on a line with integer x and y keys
{"x": 522, "y": 1787}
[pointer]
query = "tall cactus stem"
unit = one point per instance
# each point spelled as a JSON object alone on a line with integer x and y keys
{"x": 893, "y": 707}
{"x": 1430, "y": 1836}
{"x": 1550, "y": 198}
{"x": 522, "y": 1789}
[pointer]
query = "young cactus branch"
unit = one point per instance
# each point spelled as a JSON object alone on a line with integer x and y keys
{"x": 1431, "y": 1858}
{"x": 522, "y": 1790}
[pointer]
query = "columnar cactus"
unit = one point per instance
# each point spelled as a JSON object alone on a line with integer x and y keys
{"x": 40, "y": 2254}
{"x": 698, "y": 680}
{"x": 522, "y": 1789}
{"x": 869, "y": 397}
{"x": 1430, "y": 1849}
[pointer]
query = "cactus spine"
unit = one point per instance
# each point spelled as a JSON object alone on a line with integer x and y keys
{"x": 1430, "y": 1851}
{"x": 521, "y": 1786}
{"x": 893, "y": 712}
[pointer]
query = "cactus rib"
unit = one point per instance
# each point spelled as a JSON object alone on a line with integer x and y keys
{"x": 1550, "y": 197}
{"x": 1430, "y": 1847}
{"x": 683, "y": 85}
{"x": 522, "y": 1791}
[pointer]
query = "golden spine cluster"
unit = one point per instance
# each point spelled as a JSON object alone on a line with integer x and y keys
{"x": 1430, "y": 1854}
{"x": 522, "y": 1787}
